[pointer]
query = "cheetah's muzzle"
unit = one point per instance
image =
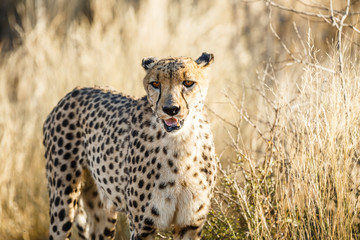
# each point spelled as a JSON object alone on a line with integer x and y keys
{"x": 172, "y": 124}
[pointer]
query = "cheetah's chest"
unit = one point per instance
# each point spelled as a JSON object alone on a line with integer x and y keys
{"x": 181, "y": 194}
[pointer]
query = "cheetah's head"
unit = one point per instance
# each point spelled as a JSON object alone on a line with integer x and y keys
{"x": 176, "y": 87}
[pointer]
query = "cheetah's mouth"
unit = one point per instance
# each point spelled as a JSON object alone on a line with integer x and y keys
{"x": 172, "y": 124}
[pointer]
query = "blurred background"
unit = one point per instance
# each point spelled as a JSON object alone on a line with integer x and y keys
{"x": 263, "y": 52}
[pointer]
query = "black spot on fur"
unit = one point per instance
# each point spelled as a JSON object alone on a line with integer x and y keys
{"x": 141, "y": 183}
{"x": 57, "y": 201}
{"x": 149, "y": 221}
{"x": 108, "y": 232}
{"x": 67, "y": 226}
{"x": 75, "y": 93}
{"x": 155, "y": 211}
{"x": 60, "y": 142}
{"x": 162, "y": 185}
{"x": 68, "y": 190}
{"x": 62, "y": 214}
{"x": 142, "y": 196}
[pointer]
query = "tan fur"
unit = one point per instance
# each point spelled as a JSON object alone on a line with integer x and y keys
{"x": 107, "y": 152}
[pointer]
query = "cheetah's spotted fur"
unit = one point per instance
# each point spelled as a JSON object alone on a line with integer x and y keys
{"x": 152, "y": 158}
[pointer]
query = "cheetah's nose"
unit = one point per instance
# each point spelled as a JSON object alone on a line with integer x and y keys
{"x": 172, "y": 110}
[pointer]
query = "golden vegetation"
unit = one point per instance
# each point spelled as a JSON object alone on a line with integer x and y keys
{"x": 283, "y": 100}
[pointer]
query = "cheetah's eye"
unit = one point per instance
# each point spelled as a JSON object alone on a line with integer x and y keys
{"x": 155, "y": 84}
{"x": 188, "y": 83}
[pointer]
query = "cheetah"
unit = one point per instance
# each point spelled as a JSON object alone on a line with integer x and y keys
{"x": 152, "y": 158}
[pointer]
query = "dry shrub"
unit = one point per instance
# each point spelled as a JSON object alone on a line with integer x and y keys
{"x": 304, "y": 184}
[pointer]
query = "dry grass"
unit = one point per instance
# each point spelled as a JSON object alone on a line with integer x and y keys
{"x": 306, "y": 185}
{"x": 279, "y": 116}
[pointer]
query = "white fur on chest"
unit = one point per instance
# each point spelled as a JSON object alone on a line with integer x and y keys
{"x": 187, "y": 199}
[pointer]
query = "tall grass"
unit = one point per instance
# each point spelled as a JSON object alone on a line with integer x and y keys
{"x": 286, "y": 136}
{"x": 306, "y": 185}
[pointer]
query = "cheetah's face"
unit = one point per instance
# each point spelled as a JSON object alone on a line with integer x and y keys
{"x": 176, "y": 87}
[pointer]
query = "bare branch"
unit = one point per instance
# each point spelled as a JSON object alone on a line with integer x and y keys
{"x": 340, "y": 27}
{"x": 308, "y": 14}
{"x": 295, "y": 59}
{"x": 245, "y": 116}
{"x": 221, "y": 118}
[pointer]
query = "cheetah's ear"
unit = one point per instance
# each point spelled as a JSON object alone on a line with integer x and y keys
{"x": 148, "y": 63}
{"x": 206, "y": 59}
